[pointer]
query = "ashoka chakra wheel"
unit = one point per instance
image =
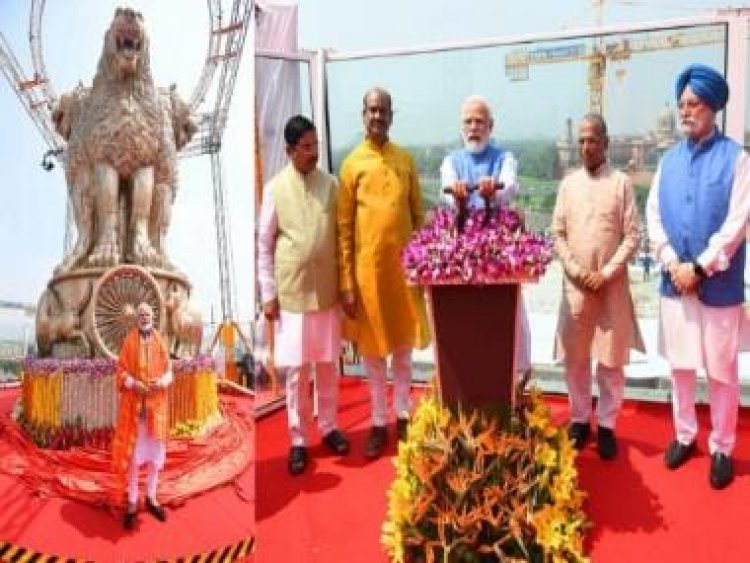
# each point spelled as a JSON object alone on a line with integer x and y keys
{"x": 116, "y": 297}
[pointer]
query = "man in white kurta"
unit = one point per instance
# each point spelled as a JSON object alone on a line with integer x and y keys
{"x": 298, "y": 275}
{"x": 480, "y": 173}
{"x": 595, "y": 224}
{"x": 697, "y": 212}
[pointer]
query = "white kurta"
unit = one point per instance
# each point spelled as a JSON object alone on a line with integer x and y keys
{"x": 148, "y": 449}
{"x": 300, "y": 338}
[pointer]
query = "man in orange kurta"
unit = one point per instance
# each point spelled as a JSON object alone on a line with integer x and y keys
{"x": 143, "y": 375}
{"x": 379, "y": 207}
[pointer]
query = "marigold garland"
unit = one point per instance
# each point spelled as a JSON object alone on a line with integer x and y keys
{"x": 73, "y": 402}
{"x": 469, "y": 490}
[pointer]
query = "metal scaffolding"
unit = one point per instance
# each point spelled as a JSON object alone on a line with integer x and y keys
{"x": 228, "y": 24}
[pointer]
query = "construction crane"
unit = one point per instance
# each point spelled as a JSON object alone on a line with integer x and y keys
{"x": 598, "y": 52}
{"x": 228, "y": 24}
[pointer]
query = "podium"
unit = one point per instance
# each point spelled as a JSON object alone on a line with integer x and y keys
{"x": 474, "y": 336}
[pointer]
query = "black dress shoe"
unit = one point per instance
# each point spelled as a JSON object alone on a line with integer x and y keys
{"x": 336, "y": 442}
{"x": 157, "y": 510}
{"x": 402, "y": 427}
{"x": 606, "y": 443}
{"x": 376, "y": 442}
{"x": 129, "y": 519}
{"x": 722, "y": 471}
{"x": 579, "y": 432}
{"x": 297, "y": 460}
{"x": 678, "y": 453}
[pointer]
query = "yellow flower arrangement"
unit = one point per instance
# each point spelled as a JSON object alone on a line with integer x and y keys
{"x": 469, "y": 488}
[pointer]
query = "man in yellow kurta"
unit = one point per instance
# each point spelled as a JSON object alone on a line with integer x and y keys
{"x": 595, "y": 224}
{"x": 143, "y": 375}
{"x": 380, "y": 206}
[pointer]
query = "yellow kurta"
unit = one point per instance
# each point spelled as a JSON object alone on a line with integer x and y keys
{"x": 380, "y": 206}
{"x": 595, "y": 224}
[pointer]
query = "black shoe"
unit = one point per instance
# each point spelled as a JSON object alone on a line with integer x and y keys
{"x": 722, "y": 472}
{"x": 579, "y": 432}
{"x": 402, "y": 427}
{"x": 376, "y": 442}
{"x": 336, "y": 442}
{"x": 607, "y": 445}
{"x": 129, "y": 519}
{"x": 678, "y": 453}
{"x": 297, "y": 459}
{"x": 157, "y": 510}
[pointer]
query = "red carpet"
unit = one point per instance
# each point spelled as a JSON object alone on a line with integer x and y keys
{"x": 639, "y": 510}
{"x": 41, "y": 519}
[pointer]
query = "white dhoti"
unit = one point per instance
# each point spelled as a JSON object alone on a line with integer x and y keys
{"x": 148, "y": 450}
{"x": 695, "y": 336}
{"x": 523, "y": 337}
{"x": 303, "y": 342}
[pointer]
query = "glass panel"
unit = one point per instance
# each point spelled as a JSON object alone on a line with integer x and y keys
{"x": 275, "y": 104}
{"x": 539, "y": 92}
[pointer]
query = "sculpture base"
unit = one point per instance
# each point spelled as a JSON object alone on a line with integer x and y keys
{"x": 86, "y": 313}
{"x": 68, "y": 403}
{"x": 474, "y": 335}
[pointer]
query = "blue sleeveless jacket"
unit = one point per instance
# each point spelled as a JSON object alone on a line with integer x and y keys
{"x": 695, "y": 186}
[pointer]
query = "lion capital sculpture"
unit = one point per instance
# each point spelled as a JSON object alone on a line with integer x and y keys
{"x": 123, "y": 135}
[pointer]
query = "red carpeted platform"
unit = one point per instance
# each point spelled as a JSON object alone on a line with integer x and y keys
{"x": 52, "y": 501}
{"x": 640, "y": 511}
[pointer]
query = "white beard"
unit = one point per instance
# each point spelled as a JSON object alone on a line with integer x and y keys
{"x": 476, "y": 147}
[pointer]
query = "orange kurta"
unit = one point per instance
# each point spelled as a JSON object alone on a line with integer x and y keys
{"x": 145, "y": 364}
{"x": 379, "y": 207}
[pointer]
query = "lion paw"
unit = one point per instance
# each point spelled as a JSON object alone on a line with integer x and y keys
{"x": 106, "y": 252}
{"x": 143, "y": 252}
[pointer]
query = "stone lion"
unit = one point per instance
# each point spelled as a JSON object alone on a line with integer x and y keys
{"x": 123, "y": 135}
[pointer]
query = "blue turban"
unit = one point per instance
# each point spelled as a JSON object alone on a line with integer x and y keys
{"x": 705, "y": 83}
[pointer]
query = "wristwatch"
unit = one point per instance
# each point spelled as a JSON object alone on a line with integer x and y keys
{"x": 698, "y": 270}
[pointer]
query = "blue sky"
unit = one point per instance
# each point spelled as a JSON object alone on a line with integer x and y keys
{"x": 32, "y": 214}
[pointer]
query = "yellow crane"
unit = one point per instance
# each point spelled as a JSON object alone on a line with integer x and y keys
{"x": 601, "y": 50}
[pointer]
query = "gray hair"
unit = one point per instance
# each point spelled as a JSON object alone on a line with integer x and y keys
{"x": 476, "y": 99}
{"x": 378, "y": 90}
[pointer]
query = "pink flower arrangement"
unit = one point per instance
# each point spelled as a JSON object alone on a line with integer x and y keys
{"x": 493, "y": 247}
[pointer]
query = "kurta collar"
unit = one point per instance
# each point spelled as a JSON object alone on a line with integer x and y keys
{"x": 602, "y": 170}
{"x": 376, "y": 147}
{"x": 704, "y": 143}
{"x": 298, "y": 177}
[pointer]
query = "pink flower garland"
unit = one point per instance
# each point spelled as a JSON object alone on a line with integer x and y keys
{"x": 490, "y": 250}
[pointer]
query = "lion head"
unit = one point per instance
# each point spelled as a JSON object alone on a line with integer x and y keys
{"x": 126, "y": 47}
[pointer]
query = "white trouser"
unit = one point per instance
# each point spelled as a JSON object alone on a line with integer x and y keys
{"x": 377, "y": 370}
{"x": 611, "y": 383}
{"x": 724, "y": 399}
{"x": 523, "y": 337}
{"x": 152, "y": 482}
{"x": 299, "y": 403}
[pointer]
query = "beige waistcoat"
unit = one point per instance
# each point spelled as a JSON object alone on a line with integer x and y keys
{"x": 305, "y": 258}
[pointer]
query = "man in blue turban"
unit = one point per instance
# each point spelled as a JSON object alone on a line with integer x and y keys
{"x": 696, "y": 213}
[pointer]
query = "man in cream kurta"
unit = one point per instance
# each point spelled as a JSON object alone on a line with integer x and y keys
{"x": 380, "y": 206}
{"x": 298, "y": 274}
{"x": 492, "y": 172}
{"x": 697, "y": 215}
{"x": 595, "y": 224}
